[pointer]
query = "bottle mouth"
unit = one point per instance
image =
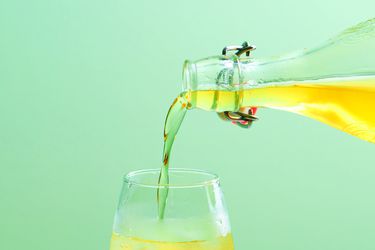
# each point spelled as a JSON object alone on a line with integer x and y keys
{"x": 188, "y": 76}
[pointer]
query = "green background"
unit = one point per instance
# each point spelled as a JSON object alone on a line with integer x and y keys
{"x": 84, "y": 89}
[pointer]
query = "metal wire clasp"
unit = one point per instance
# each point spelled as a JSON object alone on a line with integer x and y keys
{"x": 244, "y": 48}
{"x": 241, "y": 119}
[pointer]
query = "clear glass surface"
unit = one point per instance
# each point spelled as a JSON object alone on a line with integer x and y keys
{"x": 195, "y": 217}
{"x": 349, "y": 54}
{"x": 333, "y": 83}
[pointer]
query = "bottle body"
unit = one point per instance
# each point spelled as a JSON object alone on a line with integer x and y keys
{"x": 342, "y": 103}
{"x": 334, "y": 83}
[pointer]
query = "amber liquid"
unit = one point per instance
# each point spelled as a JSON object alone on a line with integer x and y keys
{"x": 347, "y": 104}
{"x": 175, "y": 116}
{"x": 128, "y": 243}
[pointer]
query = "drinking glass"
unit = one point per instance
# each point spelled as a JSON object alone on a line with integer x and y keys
{"x": 195, "y": 215}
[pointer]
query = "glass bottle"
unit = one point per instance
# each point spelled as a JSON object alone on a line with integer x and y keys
{"x": 333, "y": 83}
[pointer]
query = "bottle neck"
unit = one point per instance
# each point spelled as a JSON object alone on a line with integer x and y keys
{"x": 347, "y": 55}
{"x": 233, "y": 73}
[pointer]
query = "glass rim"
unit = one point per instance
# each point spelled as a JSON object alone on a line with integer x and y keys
{"x": 213, "y": 178}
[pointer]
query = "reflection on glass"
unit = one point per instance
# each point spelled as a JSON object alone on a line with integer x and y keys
{"x": 195, "y": 215}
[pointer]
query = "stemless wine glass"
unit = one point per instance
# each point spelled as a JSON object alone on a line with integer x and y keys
{"x": 195, "y": 215}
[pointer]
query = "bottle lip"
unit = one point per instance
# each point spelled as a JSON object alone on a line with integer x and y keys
{"x": 187, "y": 76}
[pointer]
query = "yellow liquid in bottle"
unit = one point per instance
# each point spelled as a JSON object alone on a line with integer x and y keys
{"x": 347, "y": 104}
{"x": 119, "y": 242}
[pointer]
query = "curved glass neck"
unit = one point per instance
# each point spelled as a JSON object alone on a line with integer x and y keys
{"x": 349, "y": 54}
